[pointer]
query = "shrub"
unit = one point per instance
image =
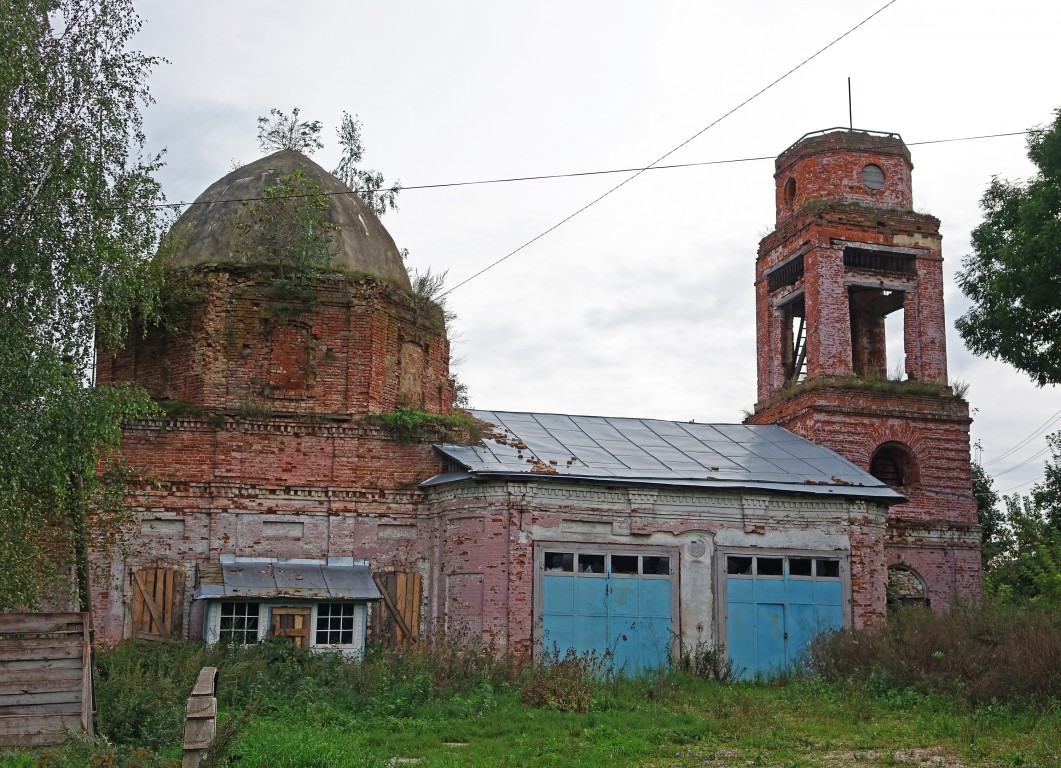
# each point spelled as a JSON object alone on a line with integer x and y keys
{"x": 565, "y": 682}
{"x": 141, "y": 689}
{"x": 705, "y": 660}
{"x": 83, "y": 751}
{"x": 981, "y": 653}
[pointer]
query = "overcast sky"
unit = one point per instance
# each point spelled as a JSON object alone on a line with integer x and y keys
{"x": 643, "y": 304}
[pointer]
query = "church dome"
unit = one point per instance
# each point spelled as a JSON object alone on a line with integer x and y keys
{"x": 211, "y": 233}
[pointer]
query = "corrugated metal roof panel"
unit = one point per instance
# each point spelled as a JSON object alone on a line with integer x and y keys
{"x": 659, "y": 452}
{"x": 276, "y": 578}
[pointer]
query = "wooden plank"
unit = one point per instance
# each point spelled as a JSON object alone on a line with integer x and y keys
{"x": 41, "y": 652}
{"x": 402, "y": 594}
{"x": 199, "y": 707}
{"x": 139, "y": 611}
{"x": 206, "y": 683}
{"x": 389, "y": 601}
{"x": 168, "y": 592}
{"x": 71, "y": 680}
{"x": 43, "y": 739}
{"x": 38, "y": 666}
{"x": 176, "y": 610}
{"x": 154, "y": 638}
{"x": 51, "y": 722}
{"x": 88, "y": 693}
{"x": 24, "y": 644}
{"x": 26, "y": 699}
{"x": 59, "y": 708}
{"x": 39, "y": 623}
{"x": 412, "y": 618}
{"x": 151, "y": 598}
{"x": 149, "y": 603}
{"x": 293, "y": 623}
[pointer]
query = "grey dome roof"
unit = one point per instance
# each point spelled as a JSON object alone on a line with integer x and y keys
{"x": 210, "y": 235}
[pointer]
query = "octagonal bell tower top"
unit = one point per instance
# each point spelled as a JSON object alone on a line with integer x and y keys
{"x": 838, "y": 165}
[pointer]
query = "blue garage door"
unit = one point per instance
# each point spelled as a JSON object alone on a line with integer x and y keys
{"x": 775, "y": 606}
{"x": 614, "y": 603}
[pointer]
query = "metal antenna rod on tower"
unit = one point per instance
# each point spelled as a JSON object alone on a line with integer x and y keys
{"x": 850, "y": 117}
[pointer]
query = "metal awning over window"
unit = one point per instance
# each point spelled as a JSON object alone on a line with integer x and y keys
{"x": 338, "y": 578}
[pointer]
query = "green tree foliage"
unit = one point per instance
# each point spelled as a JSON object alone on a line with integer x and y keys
{"x": 289, "y": 227}
{"x": 283, "y": 131}
{"x": 1013, "y": 275}
{"x": 995, "y": 536}
{"x": 1026, "y": 563}
{"x": 1047, "y": 494}
{"x": 76, "y": 228}
{"x": 370, "y": 184}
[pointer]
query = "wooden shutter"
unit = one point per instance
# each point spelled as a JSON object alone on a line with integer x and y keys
{"x": 397, "y": 620}
{"x": 292, "y": 623}
{"x": 158, "y": 603}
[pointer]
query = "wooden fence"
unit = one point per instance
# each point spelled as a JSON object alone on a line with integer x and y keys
{"x": 45, "y": 677}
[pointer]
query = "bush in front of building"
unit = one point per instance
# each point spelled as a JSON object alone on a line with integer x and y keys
{"x": 991, "y": 652}
{"x": 564, "y": 681}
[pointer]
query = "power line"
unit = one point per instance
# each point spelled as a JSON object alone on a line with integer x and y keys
{"x": 1035, "y": 433}
{"x": 541, "y": 177}
{"x": 972, "y": 138}
{"x": 1021, "y": 485}
{"x": 1031, "y": 458}
{"x": 664, "y": 156}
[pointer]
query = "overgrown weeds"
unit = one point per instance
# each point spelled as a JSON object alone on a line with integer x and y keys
{"x": 410, "y": 425}
{"x": 993, "y": 652}
{"x": 707, "y": 661}
{"x": 454, "y": 703}
{"x": 564, "y": 681}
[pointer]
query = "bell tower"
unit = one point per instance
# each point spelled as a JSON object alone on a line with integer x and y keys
{"x": 846, "y": 253}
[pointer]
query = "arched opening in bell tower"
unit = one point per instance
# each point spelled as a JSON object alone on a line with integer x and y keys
{"x": 877, "y": 286}
{"x": 895, "y": 464}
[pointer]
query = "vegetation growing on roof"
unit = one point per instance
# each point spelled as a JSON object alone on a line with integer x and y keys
{"x": 876, "y": 385}
{"x": 289, "y": 230}
{"x": 410, "y": 425}
{"x": 283, "y": 131}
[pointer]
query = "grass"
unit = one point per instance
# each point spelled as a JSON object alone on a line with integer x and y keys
{"x": 668, "y": 720}
{"x": 454, "y": 704}
{"x": 681, "y": 721}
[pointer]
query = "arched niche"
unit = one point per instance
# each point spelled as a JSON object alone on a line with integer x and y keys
{"x": 906, "y": 588}
{"x": 895, "y": 464}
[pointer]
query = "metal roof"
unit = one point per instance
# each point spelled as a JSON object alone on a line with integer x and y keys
{"x": 261, "y": 577}
{"x": 653, "y": 452}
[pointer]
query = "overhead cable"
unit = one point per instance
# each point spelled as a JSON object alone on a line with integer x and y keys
{"x": 1034, "y": 434}
{"x": 541, "y": 177}
{"x": 665, "y": 155}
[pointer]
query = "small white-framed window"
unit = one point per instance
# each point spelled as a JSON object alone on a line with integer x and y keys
{"x": 336, "y": 624}
{"x": 240, "y": 623}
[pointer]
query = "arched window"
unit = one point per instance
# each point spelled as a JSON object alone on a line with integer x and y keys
{"x": 790, "y": 191}
{"x": 905, "y": 587}
{"x": 896, "y": 465}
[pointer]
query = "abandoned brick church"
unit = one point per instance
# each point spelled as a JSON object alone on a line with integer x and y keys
{"x": 291, "y": 491}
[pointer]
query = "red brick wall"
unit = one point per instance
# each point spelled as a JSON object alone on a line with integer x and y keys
{"x": 240, "y": 486}
{"x": 823, "y": 208}
{"x": 280, "y": 462}
{"x": 820, "y": 237}
{"x": 830, "y": 167}
{"x": 362, "y": 347}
